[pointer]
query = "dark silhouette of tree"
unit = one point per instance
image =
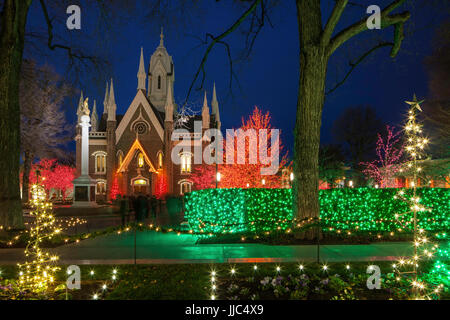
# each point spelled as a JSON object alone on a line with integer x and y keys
{"x": 357, "y": 129}
{"x": 44, "y": 131}
{"x": 331, "y": 163}
{"x": 436, "y": 111}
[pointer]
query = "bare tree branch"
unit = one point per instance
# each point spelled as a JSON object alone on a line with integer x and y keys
{"x": 52, "y": 46}
{"x": 353, "y": 65}
{"x": 386, "y": 21}
{"x": 217, "y": 39}
{"x": 333, "y": 20}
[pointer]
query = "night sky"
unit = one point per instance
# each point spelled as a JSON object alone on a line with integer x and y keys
{"x": 269, "y": 78}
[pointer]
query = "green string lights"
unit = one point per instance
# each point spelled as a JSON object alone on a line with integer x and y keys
{"x": 347, "y": 210}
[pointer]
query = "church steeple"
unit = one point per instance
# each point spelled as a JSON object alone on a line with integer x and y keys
{"x": 161, "y": 40}
{"x": 142, "y": 75}
{"x": 94, "y": 117}
{"x": 161, "y": 71}
{"x": 105, "y": 101}
{"x": 111, "y": 103}
{"x": 205, "y": 113}
{"x": 168, "y": 108}
{"x": 215, "y": 107}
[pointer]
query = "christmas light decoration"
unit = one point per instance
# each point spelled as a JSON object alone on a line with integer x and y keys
{"x": 114, "y": 188}
{"x": 383, "y": 169}
{"x": 38, "y": 272}
{"x": 343, "y": 210}
{"x": 247, "y": 174}
{"x": 161, "y": 186}
{"x": 440, "y": 271}
{"x": 53, "y": 176}
{"x": 415, "y": 144}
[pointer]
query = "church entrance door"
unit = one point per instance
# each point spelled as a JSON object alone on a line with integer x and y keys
{"x": 140, "y": 189}
{"x": 140, "y": 186}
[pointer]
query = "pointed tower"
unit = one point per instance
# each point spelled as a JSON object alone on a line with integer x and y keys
{"x": 205, "y": 113}
{"x": 215, "y": 109}
{"x": 110, "y": 140}
{"x": 80, "y": 108}
{"x": 168, "y": 128}
{"x": 105, "y": 101}
{"x": 161, "y": 72}
{"x": 94, "y": 118}
{"x": 169, "y": 106}
{"x": 112, "y": 103}
{"x": 78, "y": 136}
{"x": 161, "y": 38}
{"x": 142, "y": 76}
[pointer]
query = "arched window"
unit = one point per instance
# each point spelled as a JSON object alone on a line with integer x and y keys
{"x": 185, "y": 186}
{"x": 159, "y": 82}
{"x": 100, "y": 187}
{"x": 119, "y": 157}
{"x": 160, "y": 160}
{"x": 100, "y": 161}
{"x": 186, "y": 162}
{"x": 140, "y": 162}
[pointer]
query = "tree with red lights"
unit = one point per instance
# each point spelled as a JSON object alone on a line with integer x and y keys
{"x": 114, "y": 188}
{"x": 161, "y": 186}
{"x": 54, "y": 176}
{"x": 389, "y": 152}
{"x": 203, "y": 176}
{"x": 244, "y": 174}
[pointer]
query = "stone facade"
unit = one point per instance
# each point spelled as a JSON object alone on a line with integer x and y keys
{"x": 133, "y": 151}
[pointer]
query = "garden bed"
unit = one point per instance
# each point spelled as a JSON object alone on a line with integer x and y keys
{"x": 242, "y": 281}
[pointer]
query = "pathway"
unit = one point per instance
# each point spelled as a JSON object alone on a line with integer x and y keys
{"x": 156, "y": 247}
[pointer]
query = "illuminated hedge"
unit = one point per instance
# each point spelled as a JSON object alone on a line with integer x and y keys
{"x": 341, "y": 210}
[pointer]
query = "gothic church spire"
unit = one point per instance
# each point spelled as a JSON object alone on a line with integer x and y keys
{"x": 142, "y": 75}
{"x": 111, "y": 103}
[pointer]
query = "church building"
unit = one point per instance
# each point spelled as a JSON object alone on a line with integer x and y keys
{"x": 131, "y": 153}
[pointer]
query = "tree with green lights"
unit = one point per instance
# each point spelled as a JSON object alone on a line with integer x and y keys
{"x": 440, "y": 272}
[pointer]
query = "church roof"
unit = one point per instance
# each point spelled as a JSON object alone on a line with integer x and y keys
{"x": 103, "y": 120}
{"x": 159, "y": 114}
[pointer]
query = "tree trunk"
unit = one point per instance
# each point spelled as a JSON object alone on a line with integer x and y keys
{"x": 27, "y": 160}
{"x": 311, "y": 92}
{"x": 13, "y": 20}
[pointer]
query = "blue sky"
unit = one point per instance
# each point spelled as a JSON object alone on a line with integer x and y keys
{"x": 269, "y": 78}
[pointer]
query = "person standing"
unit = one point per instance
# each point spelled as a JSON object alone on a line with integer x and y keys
{"x": 153, "y": 204}
{"x": 124, "y": 209}
{"x": 142, "y": 208}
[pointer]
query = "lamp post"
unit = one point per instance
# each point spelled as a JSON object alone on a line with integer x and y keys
{"x": 291, "y": 178}
{"x": 218, "y": 177}
{"x": 216, "y": 154}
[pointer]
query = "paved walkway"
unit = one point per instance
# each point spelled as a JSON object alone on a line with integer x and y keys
{"x": 156, "y": 247}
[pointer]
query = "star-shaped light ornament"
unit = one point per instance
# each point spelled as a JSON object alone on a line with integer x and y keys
{"x": 415, "y": 103}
